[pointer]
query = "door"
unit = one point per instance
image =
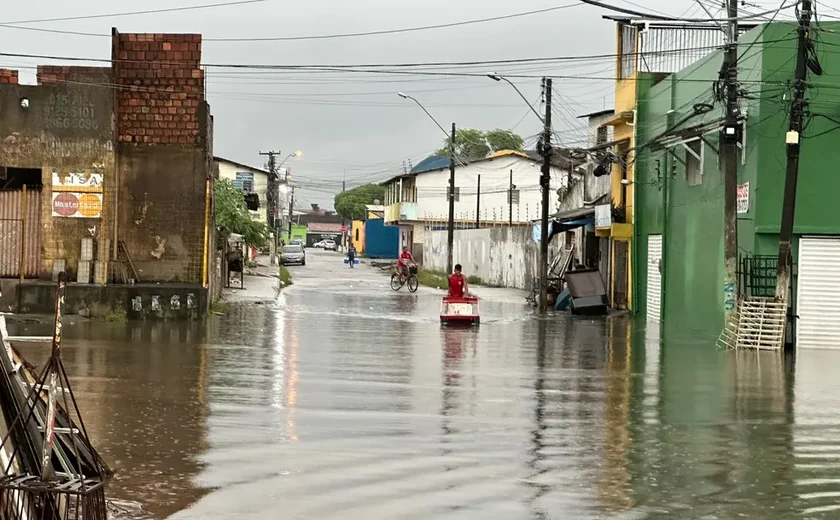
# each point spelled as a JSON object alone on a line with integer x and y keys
{"x": 604, "y": 260}
{"x": 818, "y": 293}
{"x": 622, "y": 255}
{"x": 12, "y": 233}
{"x": 654, "y": 278}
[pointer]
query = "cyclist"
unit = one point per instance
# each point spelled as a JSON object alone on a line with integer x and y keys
{"x": 406, "y": 259}
{"x": 458, "y": 284}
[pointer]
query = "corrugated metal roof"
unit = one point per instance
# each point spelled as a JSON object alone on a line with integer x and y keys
{"x": 433, "y": 162}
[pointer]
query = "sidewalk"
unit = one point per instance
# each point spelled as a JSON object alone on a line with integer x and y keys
{"x": 261, "y": 284}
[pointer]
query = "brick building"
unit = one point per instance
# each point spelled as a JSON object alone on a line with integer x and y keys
{"x": 121, "y": 155}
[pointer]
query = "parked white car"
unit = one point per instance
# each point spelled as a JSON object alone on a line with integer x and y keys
{"x": 320, "y": 245}
{"x": 329, "y": 245}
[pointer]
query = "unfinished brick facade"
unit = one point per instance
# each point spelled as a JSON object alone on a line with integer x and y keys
{"x": 162, "y": 88}
{"x": 144, "y": 126}
{"x": 8, "y": 77}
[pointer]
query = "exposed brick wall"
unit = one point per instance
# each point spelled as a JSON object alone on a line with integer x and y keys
{"x": 8, "y": 77}
{"x": 161, "y": 87}
{"x": 59, "y": 75}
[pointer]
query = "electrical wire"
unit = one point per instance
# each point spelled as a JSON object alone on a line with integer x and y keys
{"x": 13, "y": 25}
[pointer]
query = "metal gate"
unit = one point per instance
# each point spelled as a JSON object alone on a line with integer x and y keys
{"x": 13, "y": 223}
{"x": 620, "y": 283}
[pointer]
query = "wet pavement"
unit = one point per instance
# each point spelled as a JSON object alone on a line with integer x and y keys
{"x": 343, "y": 399}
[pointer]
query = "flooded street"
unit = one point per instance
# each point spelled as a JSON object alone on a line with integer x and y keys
{"x": 343, "y": 399}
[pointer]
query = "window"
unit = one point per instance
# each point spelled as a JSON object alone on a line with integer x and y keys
{"x": 357, "y": 234}
{"x": 694, "y": 162}
{"x": 602, "y": 135}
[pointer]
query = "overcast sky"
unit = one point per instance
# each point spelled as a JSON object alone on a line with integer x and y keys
{"x": 354, "y": 123}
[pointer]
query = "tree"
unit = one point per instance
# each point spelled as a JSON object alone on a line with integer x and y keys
{"x": 471, "y": 143}
{"x": 351, "y": 204}
{"x": 499, "y": 139}
{"x": 232, "y": 216}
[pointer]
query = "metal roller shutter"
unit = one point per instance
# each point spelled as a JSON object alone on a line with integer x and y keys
{"x": 818, "y": 293}
{"x": 654, "y": 278}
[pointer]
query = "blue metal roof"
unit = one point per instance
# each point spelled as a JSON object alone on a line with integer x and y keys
{"x": 432, "y": 162}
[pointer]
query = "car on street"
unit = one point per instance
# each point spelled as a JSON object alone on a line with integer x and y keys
{"x": 298, "y": 242}
{"x": 329, "y": 245}
{"x": 293, "y": 254}
{"x": 320, "y": 244}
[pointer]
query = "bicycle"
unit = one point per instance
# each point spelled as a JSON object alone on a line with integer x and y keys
{"x": 399, "y": 279}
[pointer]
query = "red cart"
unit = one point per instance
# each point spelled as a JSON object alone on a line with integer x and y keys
{"x": 459, "y": 310}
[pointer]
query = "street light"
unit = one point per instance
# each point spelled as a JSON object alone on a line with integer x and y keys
{"x": 545, "y": 180}
{"x": 498, "y": 77}
{"x": 450, "y": 231}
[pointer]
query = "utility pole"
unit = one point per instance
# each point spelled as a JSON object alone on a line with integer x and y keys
{"x": 478, "y": 203}
{"x": 343, "y": 220}
{"x": 793, "y": 140}
{"x": 271, "y": 202}
{"x": 291, "y": 211}
{"x": 545, "y": 185}
{"x": 731, "y": 134}
{"x": 510, "y": 199}
{"x": 450, "y": 232}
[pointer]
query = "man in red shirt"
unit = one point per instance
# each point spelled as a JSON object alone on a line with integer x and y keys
{"x": 458, "y": 283}
{"x": 406, "y": 259}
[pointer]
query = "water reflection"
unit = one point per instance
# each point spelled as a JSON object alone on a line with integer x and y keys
{"x": 360, "y": 405}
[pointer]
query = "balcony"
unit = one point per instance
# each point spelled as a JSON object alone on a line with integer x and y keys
{"x": 401, "y": 211}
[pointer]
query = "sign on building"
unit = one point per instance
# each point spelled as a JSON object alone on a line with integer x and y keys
{"x": 77, "y": 194}
{"x": 603, "y": 215}
{"x": 742, "y": 198}
{"x": 244, "y": 181}
{"x": 76, "y": 204}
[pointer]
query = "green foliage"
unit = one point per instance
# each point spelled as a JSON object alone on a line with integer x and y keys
{"x": 432, "y": 278}
{"x": 350, "y": 204}
{"x": 285, "y": 276}
{"x": 471, "y": 143}
{"x": 232, "y": 216}
{"x": 116, "y": 316}
{"x": 475, "y": 280}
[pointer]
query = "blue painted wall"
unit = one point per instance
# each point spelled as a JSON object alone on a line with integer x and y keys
{"x": 381, "y": 241}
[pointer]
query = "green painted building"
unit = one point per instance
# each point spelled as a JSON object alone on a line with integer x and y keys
{"x": 678, "y": 256}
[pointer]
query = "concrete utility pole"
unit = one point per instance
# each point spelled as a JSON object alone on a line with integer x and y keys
{"x": 730, "y": 135}
{"x": 291, "y": 211}
{"x": 343, "y": 220}
{"x": 545, "y": 185}
{"x": 450, "y": 231}
{"x": 478, "y": 203}
{"x": 271, "y": 202}
{"x": 793, "y": 140}
{"x": 510, "y": 199}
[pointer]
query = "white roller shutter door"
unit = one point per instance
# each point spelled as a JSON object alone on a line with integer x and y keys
{"x": 818, "y": 293}
{"x": 654, "y": 278}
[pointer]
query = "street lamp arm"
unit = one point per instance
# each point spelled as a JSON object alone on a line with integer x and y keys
{"x": 406, "y": 96}
{"x": 497, "y": 77}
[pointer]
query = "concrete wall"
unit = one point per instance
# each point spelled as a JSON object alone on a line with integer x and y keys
{"x": 68, "y": 128}
{"x": 503, "y": 257}
{"x": 431, "y": 186}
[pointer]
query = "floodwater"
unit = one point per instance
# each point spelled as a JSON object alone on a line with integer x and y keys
{"x": 345, "y": 400}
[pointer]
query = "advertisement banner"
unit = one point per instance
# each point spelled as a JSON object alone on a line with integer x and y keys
{"x": 743, "y": 198}
{"x": 76, "y": 205}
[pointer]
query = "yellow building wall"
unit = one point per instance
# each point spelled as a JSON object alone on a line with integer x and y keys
{"x": 357, "y": 235}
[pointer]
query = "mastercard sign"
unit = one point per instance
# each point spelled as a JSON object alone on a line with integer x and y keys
{"x": 77, "y": 205}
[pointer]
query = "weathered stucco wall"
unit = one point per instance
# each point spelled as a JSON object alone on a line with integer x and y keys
{"x": 502, "y": 257}
{"x": 69, "y": 128}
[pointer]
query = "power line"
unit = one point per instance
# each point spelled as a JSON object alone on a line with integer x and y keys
{"x": 134, "y": 13}
{"x": 294, "y": 38}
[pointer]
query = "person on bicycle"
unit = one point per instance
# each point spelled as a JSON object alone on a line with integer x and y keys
{"x": 405, "y": 261}
{"x": 458, "y": 283}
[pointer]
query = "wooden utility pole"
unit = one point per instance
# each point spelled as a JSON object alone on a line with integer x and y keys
{"x": 545, "y": 185}
{"x": 730, "y": 136}
{"x": 793, "y": 140}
